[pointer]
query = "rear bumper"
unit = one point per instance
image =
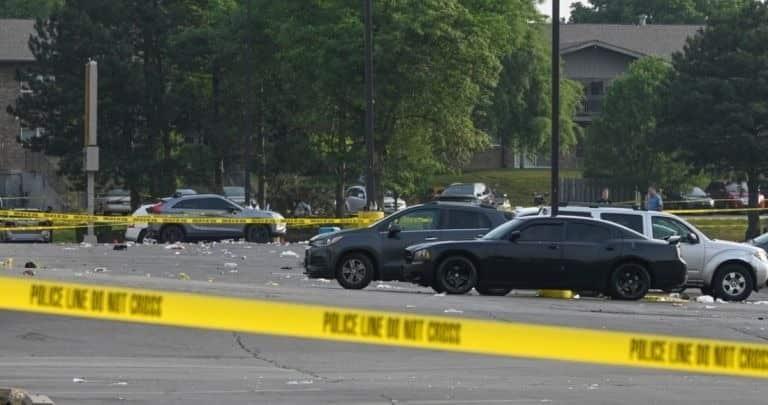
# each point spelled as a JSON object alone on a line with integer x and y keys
{"x": 669, "y": 274}
{"x": 42, "y": 236}
{"x": 761, "y": 272}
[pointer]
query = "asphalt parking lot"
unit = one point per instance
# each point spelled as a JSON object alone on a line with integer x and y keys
{"x": 76, "y": 361}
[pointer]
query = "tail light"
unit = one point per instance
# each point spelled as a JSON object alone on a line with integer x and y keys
{"x": 156, "y": 209}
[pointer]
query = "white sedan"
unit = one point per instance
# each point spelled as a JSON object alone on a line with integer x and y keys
{"x": 137, "y": 231}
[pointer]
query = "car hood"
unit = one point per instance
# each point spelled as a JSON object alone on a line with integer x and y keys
{"x": 343, "y": 232}
{"x": 720, "y": 245}
{"x": 452, "y": 243}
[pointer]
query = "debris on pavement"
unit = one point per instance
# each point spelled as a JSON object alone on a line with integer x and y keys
{"x": 184, "y": 276}
{"x": 230, "y": 265}
{"x": 386, "y": 287}
{"x": 100, "y": 270}
{"x": 300, "y": 382}
{"x": 29, "y": 272}
{"x": 30, "y": 265}
{"x": 119, "y": 383}
{"x": 289, "y": 253}
{"x": 79, "y": 380}
{"x": 175, "y": 246}
{"x": 761, "y": 303}
{"x": 8, "y": 263}
{"x": 272, "y": 284}
{"x": 442, "y": 294}
{"x": 706, "y": 299}
{"x": 286, "y": 268}
{"x": 721, "y": 301}
{"x": 453, "y": 311}
{"x": 121, "y": 246}
{"x": 85, "y": 245}
{"x": 709, "y": 307}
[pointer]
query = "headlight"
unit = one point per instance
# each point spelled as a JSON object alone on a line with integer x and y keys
{"x": 760, "y": 254}
{"x": 422, "y": 255}
{"x": 327, "y": 241}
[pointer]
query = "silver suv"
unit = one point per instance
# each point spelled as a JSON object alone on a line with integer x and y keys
{"x": 211, "y": 205}
{"x": 726, "y": 270}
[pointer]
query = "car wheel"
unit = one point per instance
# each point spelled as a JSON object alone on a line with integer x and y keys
{"x": 732, "y": 282}
{"x": 142, "y": 235}
{"x": 456, "y": 275}
{"x": 258, "y": 234}
{"x": 493, "y": 291}
{"x": 355, "y": 271}
{"x": 172, "y": 234}
{"x": 630, "y": 281}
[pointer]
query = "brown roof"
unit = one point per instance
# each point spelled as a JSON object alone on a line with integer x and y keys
{"x": 648, "y": 40}
{"x": 14, "y": 40}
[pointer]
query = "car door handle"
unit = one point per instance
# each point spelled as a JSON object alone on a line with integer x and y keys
{"x": 431, "y": 238}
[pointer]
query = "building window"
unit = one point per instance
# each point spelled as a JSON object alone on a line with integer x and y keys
{"x": 596, "y": 88}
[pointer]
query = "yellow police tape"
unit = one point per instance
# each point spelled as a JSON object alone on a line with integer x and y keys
{"x": 386, "y": 328}
{"x": 53, "y": 227}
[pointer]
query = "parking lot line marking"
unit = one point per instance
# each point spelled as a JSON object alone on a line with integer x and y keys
{"x": 386, "y": 328}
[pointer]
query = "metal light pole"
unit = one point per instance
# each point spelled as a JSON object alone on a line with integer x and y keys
{"x": 249, "y": 110}
{"x": 555, "y": 175}
{"x": 90, "y": 148}
{"x": 370, "y": 179}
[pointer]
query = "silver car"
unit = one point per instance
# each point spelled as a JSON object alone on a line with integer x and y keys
{"x": 215, "y": 206}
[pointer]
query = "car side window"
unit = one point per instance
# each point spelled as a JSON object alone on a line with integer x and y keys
{"x": 418, "y": 220}
{"x": 575, "y": 214}
{"x": 542, "y": 233}
{"x": 216, "y": 204}
{"x": 192, "y": 204}
{"x": 465, "y": 219}
{"x": 664, "y": 227}
{"x": 590, "y": 233}
{"x": 631, "y": 221}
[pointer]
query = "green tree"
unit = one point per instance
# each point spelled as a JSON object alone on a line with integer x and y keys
{"x": 28, "y": 8}
{"x": 717, "y": 114}
{"x": 656, "y": 11}
{"x": 620, "y": 144}
{"x": 519, "y": 116}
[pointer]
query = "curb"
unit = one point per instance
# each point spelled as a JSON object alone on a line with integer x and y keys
{"x": 15, "y": 396}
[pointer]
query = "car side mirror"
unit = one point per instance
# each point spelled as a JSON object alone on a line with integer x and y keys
{"x": 692, "y": 238}
{"x": 673, "y": 240}
{"x": 514, "y": 236}
{"x": 394, "y": 229}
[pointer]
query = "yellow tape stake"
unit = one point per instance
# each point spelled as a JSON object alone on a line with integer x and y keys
{"x": 386, "y": 328}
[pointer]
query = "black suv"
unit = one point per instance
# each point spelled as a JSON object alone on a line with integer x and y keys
{"x": 358, "y": 256}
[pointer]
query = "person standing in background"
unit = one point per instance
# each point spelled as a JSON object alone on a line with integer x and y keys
{"x": 605, "y": 197}
{"x": 653, "y": 200}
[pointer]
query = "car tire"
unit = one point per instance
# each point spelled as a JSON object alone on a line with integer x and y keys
{"x": 732, "y": 282}
{"x": 456, "y": 275}
{"x": 492, "y": 291}
{"x": 629, "y": 281}
{"x": 258, "y": 234}
{"x": 142, "y": 235}
{"x": 354, "y": 271}
{"x": 172, "y": 234}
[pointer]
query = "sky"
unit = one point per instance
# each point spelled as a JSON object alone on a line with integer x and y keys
{"x": 545, "y": 7}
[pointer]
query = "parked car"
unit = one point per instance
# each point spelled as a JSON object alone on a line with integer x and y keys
{"x": 211, "y": 205}
{"x": 136, "y": 232}
{"x": 356, "y": 199}
{"x": 549, "y": 253}
{"x": 236, "y": 194}
{"x": 695, "y": 198}
{"x": 475, "y": 193}
{"x": 116, "y": 201}
{"x": 726, "y": 270}
{"x": 356, "y": 257}
{"x": 732, "y": 194}
{"x": 42, "y": 235}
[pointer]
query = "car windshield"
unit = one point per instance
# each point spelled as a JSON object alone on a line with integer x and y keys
{"x": 501, "y": 231}
{"x": 761, "y": 239}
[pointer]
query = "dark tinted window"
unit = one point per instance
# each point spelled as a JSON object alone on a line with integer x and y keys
{"x": 463, "y": 219}
{"x": 575, "y": 214}
{"x": 542, "y": 233}
{"x": 216, "y": 204}
{"x": 581, "y": 232}
{"x": 631, "y": 221}
{"x": 194, "y": 204}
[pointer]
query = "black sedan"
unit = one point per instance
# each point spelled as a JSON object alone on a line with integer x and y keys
{"x": 549, "y": 253}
